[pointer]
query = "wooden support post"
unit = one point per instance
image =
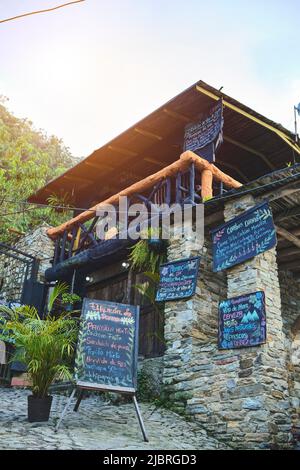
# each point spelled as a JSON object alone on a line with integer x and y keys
{"x": 56, "y": 251}
{"x": 288, "y": 235}
{"x": 63, "y": 246}
{"x": 192, "y": 183}
{"x": 178, "y": 190}
{"x": 80, "y": 397}
{"x": 206, "y": 184}
{"x": 168, "y": 191}
{"x": 72, "y": 241}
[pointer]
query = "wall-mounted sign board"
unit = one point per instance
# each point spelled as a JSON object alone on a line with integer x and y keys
{"x": 178, "y": 279}
{"x": 242, "y": 321}
{"x": 106, "y": 354}
{"x": 243, "y": 237}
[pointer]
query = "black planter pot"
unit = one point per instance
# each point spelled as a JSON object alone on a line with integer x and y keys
{"x": 39, "y": 408}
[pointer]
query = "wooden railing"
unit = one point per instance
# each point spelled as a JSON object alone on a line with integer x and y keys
{"x": 187, "y": 181}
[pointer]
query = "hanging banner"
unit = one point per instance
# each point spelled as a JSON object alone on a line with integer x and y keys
{"x": 242, "y": 321}
{"x": 243, "y": 237}
{"x": 204, "y": 137}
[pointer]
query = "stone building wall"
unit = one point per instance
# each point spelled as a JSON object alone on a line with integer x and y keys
{"x": 12, "y": 271}
{"x": 290, "y": 299}
{"x": 241, "y": 396}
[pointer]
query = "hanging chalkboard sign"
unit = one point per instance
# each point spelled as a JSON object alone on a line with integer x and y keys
{"x": 242, "y": 321}
{"x": 107, "y": 346}
{"x": 178, "y": 279}
{"x": 205, "y": 136}
{"x": 243, "y": 237}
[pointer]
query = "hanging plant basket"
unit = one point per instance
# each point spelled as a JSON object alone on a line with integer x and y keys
{"x": 157, "y": 245}
{"x": 148, "y": 254}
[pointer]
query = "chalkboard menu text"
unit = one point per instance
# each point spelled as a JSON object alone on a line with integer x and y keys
{"x": 205, "y": 136}
{"x": 178, "y": 279}
{"x": 243, "y": 237}
{"x": 107, "y": 346}
{"x": 242, "y": 321}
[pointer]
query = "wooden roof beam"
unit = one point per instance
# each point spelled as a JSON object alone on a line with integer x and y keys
{"x": 284, "y": 191}
{"x": 78, "y": 179}
{"x": 148, "y": 134}
{"x": 286, "y": 252}
{"x": 263, "y": 157}
{"x": 233, "y": 167}
{"x": 250, "y": 150}
{"x": 187, "y": 120}
{"x": 178, "y": 116}
{"x": 155, "y": 162}
{"x": 235, "y": 108}
{"x": 99, "y": 166}
{"x": 288, "y": 213}
{"x": 128, "y": 153}
{"x": 288, "y": 236}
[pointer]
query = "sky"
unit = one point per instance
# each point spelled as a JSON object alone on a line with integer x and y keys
{"x": 89, "y": 71}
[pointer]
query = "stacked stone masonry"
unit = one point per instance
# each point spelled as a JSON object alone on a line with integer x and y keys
{"x": 248, "y": 398}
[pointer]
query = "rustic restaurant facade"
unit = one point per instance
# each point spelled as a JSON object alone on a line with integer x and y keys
{"x": 246, "y": 396}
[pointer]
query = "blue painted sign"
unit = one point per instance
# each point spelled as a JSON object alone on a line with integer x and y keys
{"x": 178, "y": 279}
{"x": 243, "y": 237}
{"x": 204, "y": 137}
{"x": 106, "y": 354}
{"x": 242, "y": 321}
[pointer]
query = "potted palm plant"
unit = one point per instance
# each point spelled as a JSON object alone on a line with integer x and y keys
{"x": 45, "y": 346}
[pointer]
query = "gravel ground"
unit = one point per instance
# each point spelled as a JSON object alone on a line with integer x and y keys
{"x": 97, "y": 425}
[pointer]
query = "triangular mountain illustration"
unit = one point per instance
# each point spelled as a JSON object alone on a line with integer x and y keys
{"x": 254, "y": 316}
{"x": 245, "y": 318}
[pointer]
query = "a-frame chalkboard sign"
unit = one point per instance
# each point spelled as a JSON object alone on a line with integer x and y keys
{"x": 107, "y": 351}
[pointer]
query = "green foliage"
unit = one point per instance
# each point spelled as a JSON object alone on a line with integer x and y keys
{"x": 70, "y": 298}
{"x": 143, "y": 257}
{"x": 148, "y": 289}
{"x": 145, "y": 387}
{"x": 59, "y": 289}
{"x": 28, "y": 160}
{"x": 46, "y": 346}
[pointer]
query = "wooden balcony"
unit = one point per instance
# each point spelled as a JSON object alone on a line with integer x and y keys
{"x": 189, "y": 180}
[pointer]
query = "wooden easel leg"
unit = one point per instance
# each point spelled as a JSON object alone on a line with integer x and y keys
{"x": 65, "y": 409}
{"x": 80, "y": 397}
{"x": 140, "y": 419}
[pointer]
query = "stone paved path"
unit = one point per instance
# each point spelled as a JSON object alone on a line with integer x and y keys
{"x": 97, "y": 425}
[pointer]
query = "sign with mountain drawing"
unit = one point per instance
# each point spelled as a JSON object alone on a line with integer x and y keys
{"x": 243, "y": 237}
{"x": 106, "y": 356}
{"x": 178, "y": 279}
{"x": 242, "y": 321}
